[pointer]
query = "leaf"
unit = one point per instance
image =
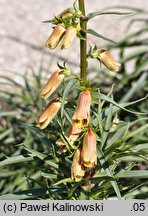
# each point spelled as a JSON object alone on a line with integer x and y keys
{"x": 11, "y": 113}
{"x": 133, "y": 174}
{"x": 137, "y": 87}
{"x": 6, "y": 133}
{"x": 6, "y": 173}
{"x": 107, "y": 127}
{"x": 41, "y": 157}
{"x": 90, "y": 31}
{"x": 36, "y": 132}
{"x": 68, "y": 88}
{"x": 49, "y": 175}
{"x": 97, "y": 13}
{"x": 118, "y": 135}
{"x": 133, "y": 55}
{"x": 106, "y": 98}
{"x": 15, "y": 160}
{"x": 27, "y": 194}
{"x": 133, "y": 133}
{"x": 105, "y": 166}
{"x": 63, "y": 181}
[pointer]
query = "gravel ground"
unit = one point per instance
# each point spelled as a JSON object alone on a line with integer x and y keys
{"x": 22, "y": 33}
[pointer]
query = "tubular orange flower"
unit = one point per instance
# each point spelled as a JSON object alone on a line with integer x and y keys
{"x": 89, "y": 152}
{"x": 52, "y": 84}
{"x": 77, "y": 170}
{"x": 72, "y": 134}
{"x": 55, "y": 37}
{"x": 82, "y": 112}
{"x": 69, "y": 36}
{"x": 49, "y": 113}
{"x": 106, "y": 58}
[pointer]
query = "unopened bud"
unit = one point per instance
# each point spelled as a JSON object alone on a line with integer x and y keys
{"x": 49, "y": 113}
{"x": 106, "y": 58}
{"x": 69, "y": 36}
{"x": 55, "y": 37}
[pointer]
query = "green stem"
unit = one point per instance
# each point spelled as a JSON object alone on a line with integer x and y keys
{"x": 83, "y": 45}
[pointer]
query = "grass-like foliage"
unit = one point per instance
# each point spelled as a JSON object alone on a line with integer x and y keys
{"x": 45, "y": 164}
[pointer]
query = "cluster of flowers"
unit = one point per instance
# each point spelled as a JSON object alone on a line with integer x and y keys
{"x": 66, "y": 28}
{"x": 85, "y": 156}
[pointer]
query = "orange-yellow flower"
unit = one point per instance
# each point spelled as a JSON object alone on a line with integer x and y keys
{"x": 69, "y": 36}
{"x": 55, "y": 37}
{"x": 89, "y": 152}
{"x": 82, "y": 112}
{"x": 49, "y": 113}
{"x": 106, "y": 58}
{"x": 52, "y": 84}
{"x": 72, "y": 134}
{"x": 77, "y": 170}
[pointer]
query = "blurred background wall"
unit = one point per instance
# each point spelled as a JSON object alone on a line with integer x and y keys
{"x": 22, "y": 33}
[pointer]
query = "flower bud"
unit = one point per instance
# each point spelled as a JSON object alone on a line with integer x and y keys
{"x": 66, "y": 14}
{"x": 55, "y": 37}
{"x": 82, "y": 112}
{"x": 69, "y": 36}
{"x": 77, "y": 170}
{"x": 72, "y": 134}
{"x": 52, "y": 84}
{"x": 106, "y": 58}
{"x": 49, "y": 113}
{"x": 89, "y": 151}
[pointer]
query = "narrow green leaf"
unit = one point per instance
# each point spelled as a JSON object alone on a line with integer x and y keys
{"x": 133, "y": 174}
{"x": 107, "y": 127}
{"x": 117, "y": 136}
{"x": 97, "y": 13}
{"x": 15, "y": 160}
{"x": 41, "y": 156}
{"x": 106, "y": 98}
{"x": 92, "y": 32}
{"x": 27, "y": 194}
{"x": 138, "y": 85}
{"x": 134, "y": 55}
{"x": 8, "y": 113}
{"x": 105, "y": 166}
{"x": 37, "y": 133}
{"x": 6, "y": 133}
{"x": 49, "y": 175}
{"x": 6, "y": 173}
{"x": 63, "y": 181}
{"x": 137, "y": 131}
{"x": 68, "y": 88}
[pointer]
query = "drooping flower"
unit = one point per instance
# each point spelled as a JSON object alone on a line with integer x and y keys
{"x": 89, "y": 152}
{"x": 49, "y": 113}
{"x": 82, "y": 112}
{"x": 69, "y": 36}
{"x": 77, "y": 169}
{"x": 106, "y": 58}
{"x": 71, "y": 135}
{"x": 55, "y": 37}
{"x": 52, "y": 84}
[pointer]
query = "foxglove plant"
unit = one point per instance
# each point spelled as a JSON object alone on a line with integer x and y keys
{"x": 85, "y": 139}
{"x": 66, "y": 28}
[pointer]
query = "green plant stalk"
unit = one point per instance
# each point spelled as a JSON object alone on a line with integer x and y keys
{"x": 83, "y": 45}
